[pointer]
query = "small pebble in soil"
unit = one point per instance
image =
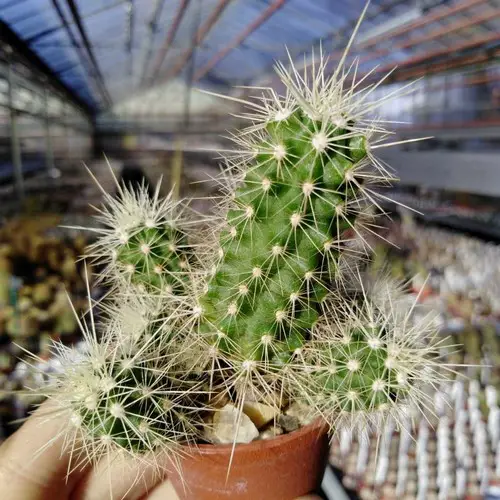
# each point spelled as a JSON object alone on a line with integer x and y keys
{"x": 289, "y": 423}
{"x": 271, "y": 432}
{"x": 260, "y": 414}
{"x": 302, "y": 412}
{"x": 229, "y": 426}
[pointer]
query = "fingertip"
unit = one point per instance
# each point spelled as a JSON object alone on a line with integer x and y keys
{"x": 164, "y": 491}
{"x": 120, "y": 475}
{"x": 33, "y": 461}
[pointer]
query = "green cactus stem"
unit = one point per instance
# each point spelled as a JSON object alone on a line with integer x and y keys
{"x": 142, "y": 240}
{"x": 285, "y": 231}
{"x": 137, "y": 400}
{"x": 358, "y": 375}
{"x": 157, "y": 258}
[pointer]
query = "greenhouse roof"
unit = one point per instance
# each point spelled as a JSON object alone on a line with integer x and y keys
{"x": 107, "y": 50}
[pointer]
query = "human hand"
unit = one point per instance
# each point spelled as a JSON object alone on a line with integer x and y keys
{"x": 34, "y": 465}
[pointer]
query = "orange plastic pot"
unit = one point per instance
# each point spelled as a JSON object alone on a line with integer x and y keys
{"x": 282, "y": 468}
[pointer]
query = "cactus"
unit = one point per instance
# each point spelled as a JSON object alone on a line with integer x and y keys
{"x": 133, "y": 391}
{"x": 277, "y": 309}
{"x": 130, "y": 392}
{"x": 143, "y": 241}
{"x": 285, "y": 231}
{"x": 132, "y": 404}
{"x": 369, "y": 360}
{"x": 279, "y": 317}
{"x": 288, "y": 224}
{"x": 154, "y": 257}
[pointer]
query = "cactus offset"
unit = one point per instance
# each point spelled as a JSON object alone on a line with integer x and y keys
{"x": 369, "y": 359}
{"x": 133, "y": 404}
{"x": 143, "y": 241}
{"x": 155, "y": 257}
{"x": 130, "y": 392}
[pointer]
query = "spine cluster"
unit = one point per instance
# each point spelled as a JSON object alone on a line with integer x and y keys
{"x": 143, "y": 241}
{"x": 155, "y": 258}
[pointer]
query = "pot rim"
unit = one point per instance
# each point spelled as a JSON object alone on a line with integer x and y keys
{"x": 319, "y": 426}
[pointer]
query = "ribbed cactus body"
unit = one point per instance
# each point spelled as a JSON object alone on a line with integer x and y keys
{"x": 131, "y": 403}
{"x": 155, "y": 257}
{"x": 142, "y": 240}
{"x": 284, "y": 234}
{"x": 358, "y": 374}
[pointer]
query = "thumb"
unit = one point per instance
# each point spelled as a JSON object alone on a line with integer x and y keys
{"x": 33, "y": 462}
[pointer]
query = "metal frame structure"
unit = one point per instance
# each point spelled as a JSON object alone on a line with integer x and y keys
{"x": 202, "y": 32}
{"x": 83, "y": 34}
{"x": 446, "y": 37}
{"x": 14, "y": 136}
{"x": 152, "y": 31}
{"x": 31, "y": 88}
{"x": 24, "y": 52}
{"x": 461, "y": 25}
{"x": 254, "y": 25}
{"x": 162, "y": 52}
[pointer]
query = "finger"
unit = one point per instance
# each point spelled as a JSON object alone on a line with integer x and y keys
{"x": 33, "y": 461}
{"x": 120, "y": 476}
{"x": 164, "y": 491}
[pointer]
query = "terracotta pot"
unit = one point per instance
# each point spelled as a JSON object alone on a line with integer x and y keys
{"x": 282, "y": 468}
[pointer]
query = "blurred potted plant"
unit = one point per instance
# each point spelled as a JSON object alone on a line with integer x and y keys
{"x": 225, "y": 333}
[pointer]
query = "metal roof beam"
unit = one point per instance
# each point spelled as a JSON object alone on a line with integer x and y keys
{"x": 49, "y": 31}
{"x": 43, "y": 34}
{"x": 467, "y": 22}
{"x": 73, "y": 39}
{"x": 78, "y": 21}
{"x": 345, "y": 32}
{"x": 432, "y": 16}
{"x": 479, "y": 58}
{"x": 130, "y": 35}
{"x": 67, "y": 67}
{"x": 153, "y": 29}
{"x": 10, "y": 38}
{"x": 434, "y": 35}
{"x": 130, "y": 25}
{"x": 253, "y": 26}
{"x": 181, "y": 10}
{"x": 429, "y": 56}
{"x": 339, "y": 36}
{"x": 435, "y": 67}
{"x": 200, "y": 36}
{"x": 189, "y": 78}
